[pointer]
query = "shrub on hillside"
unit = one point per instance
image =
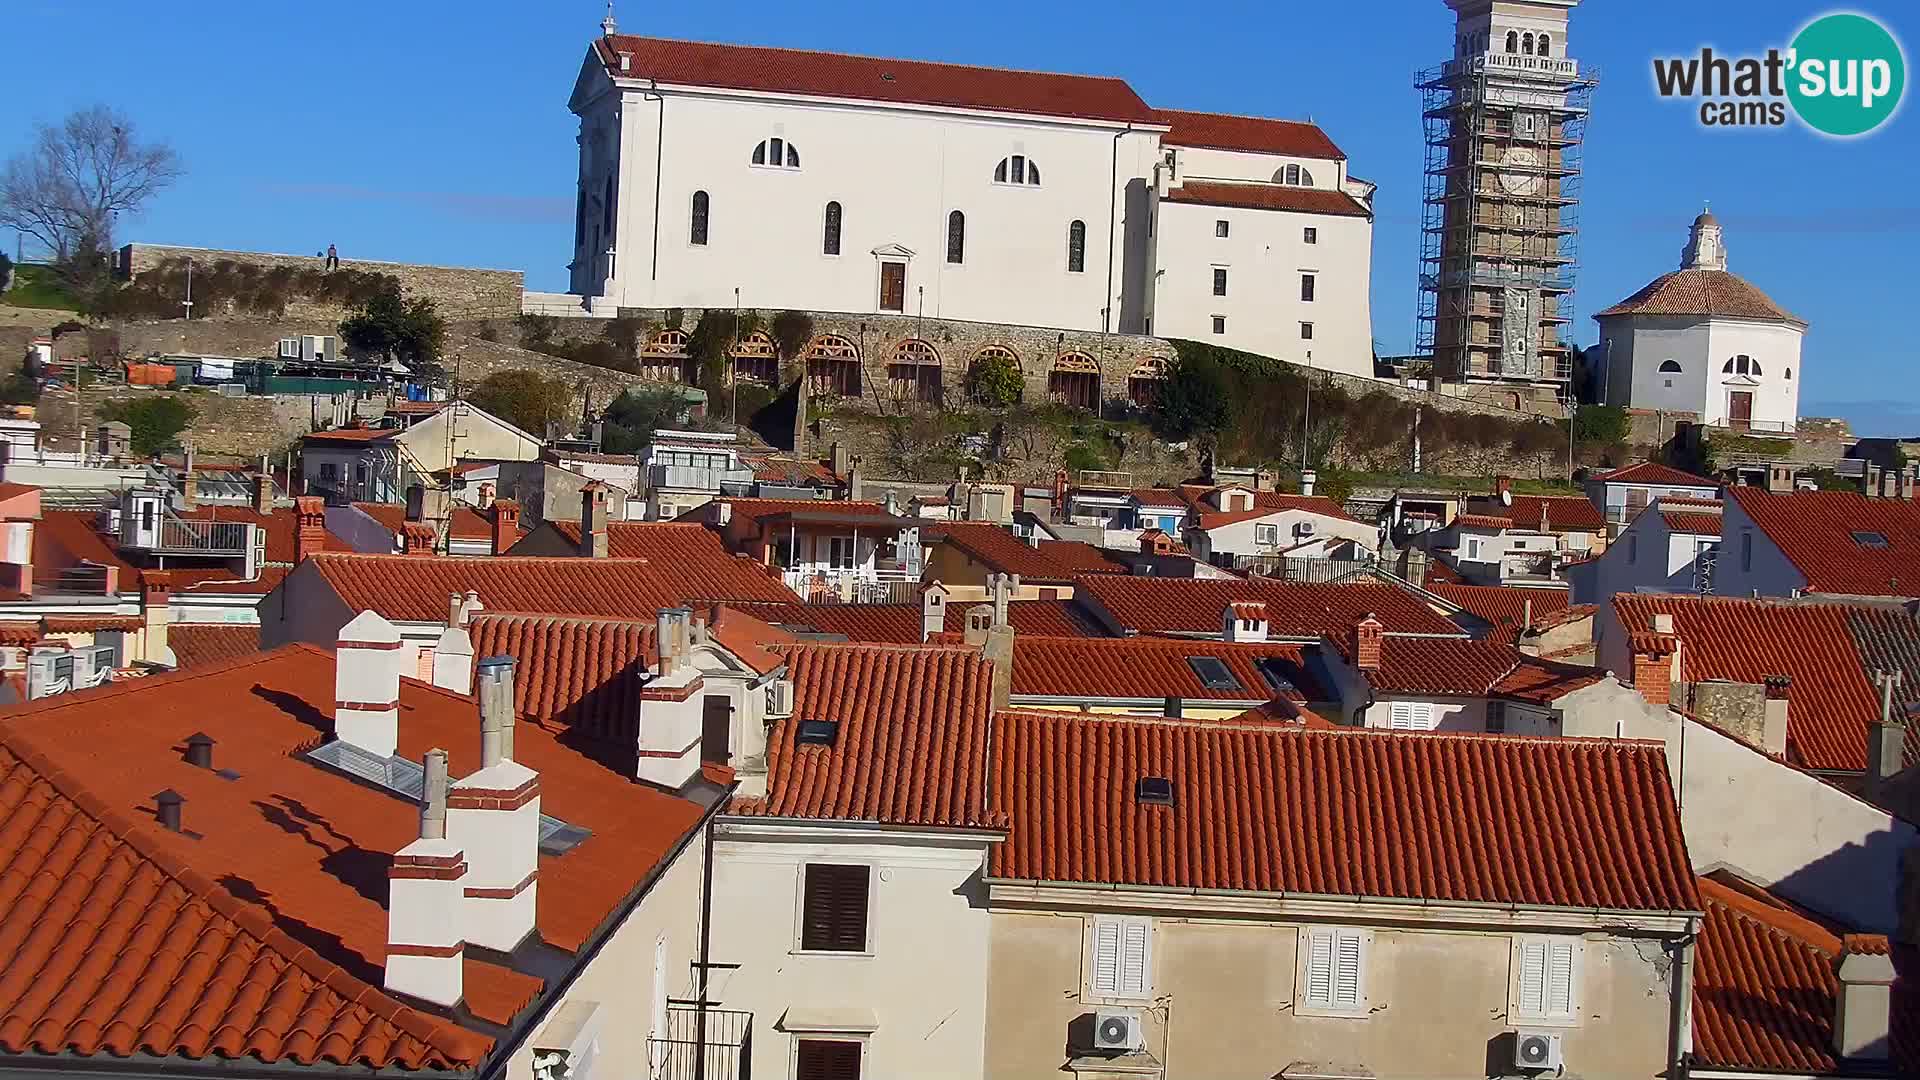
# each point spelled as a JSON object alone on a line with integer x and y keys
{"x": 156, "y": 422}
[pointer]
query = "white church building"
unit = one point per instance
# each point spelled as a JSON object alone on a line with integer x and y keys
{"x": 1703, "y": 340}
{"x": 715, "y": 174}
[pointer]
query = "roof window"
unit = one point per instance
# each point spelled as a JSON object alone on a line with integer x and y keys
{"x": 1870, "y": 539}
{"x": 1213, "y": 674}
{"x": 1155, "y": 790}
{"x": 408, "y": 780}
{"x": 817, "y": 732}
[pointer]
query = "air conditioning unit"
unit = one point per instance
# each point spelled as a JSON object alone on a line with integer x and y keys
{"x": 1303, "y": 528}
{"x": 1536, "y": 1051}
{"x": 779, "y": 699}
{"x": 1117, "y": 1030}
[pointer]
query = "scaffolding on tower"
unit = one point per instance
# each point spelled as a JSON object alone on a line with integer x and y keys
{"x": 1499, "y": 239}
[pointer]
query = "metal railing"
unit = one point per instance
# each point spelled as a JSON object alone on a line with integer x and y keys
{"x": 182, "y": 536}
{"x": 695, "y": 477}
{"x": 1302, "y": 568}
{"x": 887, "y": 585}
{"x": 680, "y": 1053}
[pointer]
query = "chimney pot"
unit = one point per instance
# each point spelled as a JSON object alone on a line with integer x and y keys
{"x": 1663, "y": 623}
{"x": 200, "y": 750}
{"x": 496, "y": 710}
{"x": 166, "y": 806}
{"x": 433, "y": 812}
{"x": 1863, "y": 1007}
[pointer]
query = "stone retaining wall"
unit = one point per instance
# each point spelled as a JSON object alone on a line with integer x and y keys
{"x": 456, "y": 290}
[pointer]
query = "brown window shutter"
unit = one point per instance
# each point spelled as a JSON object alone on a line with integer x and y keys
{"x": 822, "y": 1059}
{"x": 833, "y": 915}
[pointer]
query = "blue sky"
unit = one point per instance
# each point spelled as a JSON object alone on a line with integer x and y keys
{"x": 437, "y": 131}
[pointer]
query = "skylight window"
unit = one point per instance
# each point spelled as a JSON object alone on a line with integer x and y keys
{"x": 1213, "y": 674}
{"x": 1279, "y": 673}
{"x": 1157, "y": 790}
{"x": 1870, "y": 539}
{"x": 817, "y": 732}
{"x": 408, "y": 780}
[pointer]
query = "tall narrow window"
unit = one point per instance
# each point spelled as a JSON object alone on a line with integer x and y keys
{"x": 606, "y": 209}
{"x": 1333, "y": 970}
{"x": 1545, "y": 976}
{"x": 580, "y": 219}
{"x": 1542, "y": 47}
{"x": 1220, "y": 227}
{"x": 956, "y": 237}
{"x": 1513, "y": 41}
{"x": 1526, "y": 44}
{"x": 1077, "y": 247}
{"x": 698, "y": 233}
{"x": 1219, "y": 281}
{"x": 1306, "y": 288}
{"x": 1309, "y": 235}
{"x": 1122, "y": 962}
{"x": 830, "y": 242}
{"x": 833, "y": 911}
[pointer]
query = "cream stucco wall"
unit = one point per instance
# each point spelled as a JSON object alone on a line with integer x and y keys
{"x": 1636, "y": 345}
{"x": 923, "y": 981}
{"x": 1224, "y": 1001}
{"x": 620, "y": 978}
{"x": 1241, "y": 537}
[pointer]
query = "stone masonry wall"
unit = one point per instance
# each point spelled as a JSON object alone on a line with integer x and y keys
{"x": 456, "y": 290}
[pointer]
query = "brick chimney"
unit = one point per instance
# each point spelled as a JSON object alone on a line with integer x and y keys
{"x": 671, "y": 719}
{"x": 366, "y": 684}
{"x": 1653, "y": 661}
{"x": 506, "y": 525}
{"x": 493, "y": 816}
{"x": 156, "y": 613}
{"x": 263, "y": 492}
{"x": 1502, "y": 485}
{"x": 426, "y": 889}
{"x": 1155, "y": 542}
{"x": 189, "y": 483}
{"x": 1863, "y": 1007}
{"x": 1365, "y": 643}
{"x": 417, "y": 538}
{"x": 1060, "y": 495}
{"x": 593, "y": 520}
{"x": 310, "y": 527}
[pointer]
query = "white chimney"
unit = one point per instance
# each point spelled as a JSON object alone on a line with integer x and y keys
{"x": 1307, "y": 479}
{"x": 933, "y": 610}
{"x": 453, "y": 660}
{"x": 366, "y": 684}
{"x": 670, "y": 710}
{"x": 493, "y": 815}
{"x": 1862, "y": 1009}
{"x": 426, "y": 887}
{"x": 1244, "y": 621}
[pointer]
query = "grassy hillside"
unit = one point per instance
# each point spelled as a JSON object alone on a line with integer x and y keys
{"x": 34, "y": 286}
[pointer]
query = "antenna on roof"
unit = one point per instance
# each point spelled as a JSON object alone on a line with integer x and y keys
{"x": 607, "y": 26}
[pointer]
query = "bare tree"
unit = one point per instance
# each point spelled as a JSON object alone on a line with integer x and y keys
{"x": 65, "y": 189}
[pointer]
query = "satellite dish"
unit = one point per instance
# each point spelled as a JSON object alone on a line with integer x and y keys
{"x": 1506, "y": 498}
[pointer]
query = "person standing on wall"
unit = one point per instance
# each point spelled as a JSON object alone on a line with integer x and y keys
{"x": 333, "y": 257}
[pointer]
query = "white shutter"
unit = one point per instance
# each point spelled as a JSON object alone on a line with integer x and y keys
{"x": 1559, "y": 987}
{"x": 1346, "y": 969}
{"x": 1133, "y": 959}
{"x": 1320, "y": 969}
{"x": 1106, "y": 956}
{"x": 1422, "y": 716}
{"x": 1533, "y": 978}
{"x": 1400, "y": 717}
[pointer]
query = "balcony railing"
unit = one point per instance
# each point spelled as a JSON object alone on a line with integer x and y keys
{"x": 180, "y": 536}
{"x": 717, "y": 1049}
{"x": 885, "y": 585}
{"x": 1299, "y": 568}
{"x": 695, "y": 477}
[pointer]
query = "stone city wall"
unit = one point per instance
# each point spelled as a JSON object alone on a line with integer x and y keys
{"x": 455, "y": 290}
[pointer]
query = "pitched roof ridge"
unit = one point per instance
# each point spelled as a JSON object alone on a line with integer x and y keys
{"x": 496, "y": 560}
{"x": 164, "y": 678}
{"x": 870, "y": 646}
{"x": 251, "y": 919}
{"x": 1776, "y": 918}
{"x": 558, "y": 617}
{"x": 956, "y": 65}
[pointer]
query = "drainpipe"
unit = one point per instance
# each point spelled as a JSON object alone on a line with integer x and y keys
{"x": 706, "y": 946}
{"x": 659, "y": 148}
{"x": 1113, "y": 199}
{"x": 1680, "y": 1000}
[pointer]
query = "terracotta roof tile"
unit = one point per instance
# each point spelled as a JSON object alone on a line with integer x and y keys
{"x": 1254, "y": 134}
{"x": 1814, "y": 530}
{"x": 1454, "y": 667}
{"x": 1155, "y": 668}
{"x": 291, "y": 854}
{"x": 1504, "y": 606}
{"x": 759, "y": 511}
{"x": 662, "y": 541}
{"x": 1655, "y": 474}
{"x": 1250, "y": 196}
{"x": 199, "y": 644}
{"x": 415, "y": 589}
{"x": 1569, "y": 614}
{"x": 911, "y": 747}
{"x": 1484, "y": 521}
{"x": 1166, "y": 497}
{"x": 1295, "y": 610}
{"x": 1828, "y": 649}
{"x": 1699, "y": 522}
{"x": 1053, "y": 561}
{"x": 899, "y": 624}
{"x": 1565, "y": 513}
{"x": 1344, "y": 812}
{"x": 1701, "y": 292}
{"x": 353, "y": 435}
{"x": 865, "y": 78}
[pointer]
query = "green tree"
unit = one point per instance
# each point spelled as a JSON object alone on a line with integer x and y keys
{"x": 707, "y": 345}
{"x": 1193, "y": 400}
{"x": 156, "y": 422}
{"x": 1606, "y": 424}
{"x": 392, "y": 327}
{"x": 526, "y": 399}
{"x": 790, "y": 330}
{"x": 637, "y": 413}
{"x": 995, "y": 381}
{"x": 6, "y": 271}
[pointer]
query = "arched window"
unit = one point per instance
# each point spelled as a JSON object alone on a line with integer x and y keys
{"x": 1526, "y": 44}
{"x": 698, "y": 234}
{"x": 1542, "y": 48}
{"x": 1669, "y": 367}
{"x": 830, "y": 243}
{"x": 1513, "y": 41}
{"x": 1742, "y": 365}
{"x": 956, "y": 237}
{"x": 1016, "y": 170}
{"x": 776, "y": 153}
{"x": 1077, "y": 247}
{"x": 1789, "y": 374}
{"x": 1293, "y": 176}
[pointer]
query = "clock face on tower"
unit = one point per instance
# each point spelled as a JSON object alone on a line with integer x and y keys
{"x": 1518, "y": 176}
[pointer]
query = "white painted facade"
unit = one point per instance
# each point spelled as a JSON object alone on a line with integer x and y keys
{"x": 915, "y": 998}
{"x": 1750, "y": 564}
{"x": 1650, "y": 556}
{"x": 1700, "y": 363}
{"x": 1294, "y": 533}
{"x": 1076, "y": 251}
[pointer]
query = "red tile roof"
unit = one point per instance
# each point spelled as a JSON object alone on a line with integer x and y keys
{"x": 1294, "y": 609}
{"x": 1828, "y": 649}
{"x": 1654, "y": 474}
{"x": 1166, "y": 497}
{"x": 409, "y": 588}
{"x": 1765, "y": 988}
{"x": 1155, "y": 668}
{"x": 281, "y": 524}
{"x": 1343, "y": 812}
{"x": 353, "y": 435}
{"x": 1246, "y": 196}
{"x": 864, "y": 78}
{"x": 1264, "y": 503}
{"x": 911, "y": 748}
{"x": 465, "y": 523}
{"x": 661, "y": 541}
{"x": 199, "y": 644}
{"x": 899, "y": 624}
{"x": 1701, "y": 292}
{"x": 759, "y": 511}
{"x": 1054, "y": 561}
{"x": 1253, "y": 134}
{"x": 1814, "y": 530}
{"x": 1504, "y": 606}
{"x": 1458, "y": 668}
{"x": 263, "y": 933}
{"x": 1565, "y": 513}
{"x": 1485, "y": 521}
{"x": 1700, "y": 522}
